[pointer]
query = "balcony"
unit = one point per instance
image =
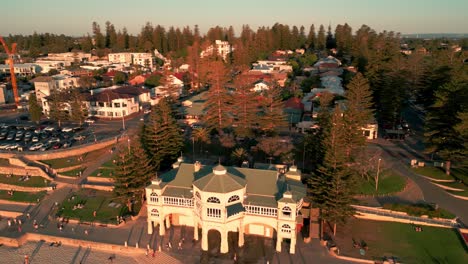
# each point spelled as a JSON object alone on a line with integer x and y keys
{"x": 261, "y": 210}
{"x": 177, "y": 201}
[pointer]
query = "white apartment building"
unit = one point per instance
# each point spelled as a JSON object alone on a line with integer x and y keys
{"x": 22, "y": 70}
{"x": 143, "y": 59}
{"x": 118, "y": 102}
{"x": 121, "y": 57}
{"x": 228, "y": 199}
{"x": 223, "y": 48}
{"x": 43, "y": 85}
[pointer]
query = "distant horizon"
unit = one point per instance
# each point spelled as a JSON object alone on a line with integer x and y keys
{"x": 75, "y": 18}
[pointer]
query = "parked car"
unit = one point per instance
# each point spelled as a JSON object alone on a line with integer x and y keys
{"x": 3, "y": 134}
{"x": 67, "y": 144}
{"x": 35, "y": 139}
{"x": 79, "y": 137}
{"x": 67, "y": 129}
{"x": 12, "y": 146}
{"x": 147, "y": 111}
{"x": 90, "y": 120}
{"x": 53, "y": 140}
{"x": 49, "y": 129}
{"x": 57, "y": 145}
{"x": 45, "y": 147}
{"x": 36, "y": 146}
{"x": 4, "y": 146}
{"x": 11, "y": 136}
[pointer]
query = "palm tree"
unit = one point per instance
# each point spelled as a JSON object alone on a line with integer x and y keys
{"x": 239, "y": 154}
{"x": 201, "y": 134}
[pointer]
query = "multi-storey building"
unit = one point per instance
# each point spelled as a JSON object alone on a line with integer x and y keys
{"x": 228, "y": 199}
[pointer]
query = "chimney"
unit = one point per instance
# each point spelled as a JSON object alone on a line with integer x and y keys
{"x": 196, "y": 166}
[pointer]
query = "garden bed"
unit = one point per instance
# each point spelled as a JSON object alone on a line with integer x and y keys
{"x": 420, "y": 210}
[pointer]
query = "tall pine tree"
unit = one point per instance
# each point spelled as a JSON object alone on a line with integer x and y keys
{"x": 35, "y": 110}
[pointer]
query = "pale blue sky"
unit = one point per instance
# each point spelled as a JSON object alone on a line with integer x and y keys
{"x": 75, "y": 17}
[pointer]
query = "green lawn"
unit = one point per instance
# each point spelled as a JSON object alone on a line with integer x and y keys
{"x": 464, "y": 193}
{"x": 34, "y": 181}
{"x": 432, "y": 172}
{"x": 103, "y": 172}
{"x": 73, "y": 161}
{"x": 29, "y": 197}
{"x": 73, "y": 173}
{"x": 389, "y": 182}
{"x": 457, "y": 185}
{"x": 4, "y": 162}
{"x": 460, "y": 173}
{"x": 432, "y": 245}
{"x": 93, "y": 201}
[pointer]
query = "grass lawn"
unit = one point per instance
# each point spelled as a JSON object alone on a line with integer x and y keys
{"x": 103, "y": 172}
{"x": 4, "y": 162}
{"x": 29, "y": 197}
{"x": 432, "y": 245}
{"x": 73, "y": 161}
{"x": 460, "y": 173}
{"x": 34, "y": 181}
{"x": 464, "y": 193}
{"x": 389, "y": 182}
{"x": 457, "y": 185}
{"x": 432, "y": 172}
{"x": 93, "y": 201}
{"x": 73, "y": 173}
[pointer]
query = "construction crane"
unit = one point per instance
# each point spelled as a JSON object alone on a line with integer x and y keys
{"x": 10, "y": 60}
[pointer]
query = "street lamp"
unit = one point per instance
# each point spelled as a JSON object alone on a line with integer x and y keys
{"x": 377, "y": 176}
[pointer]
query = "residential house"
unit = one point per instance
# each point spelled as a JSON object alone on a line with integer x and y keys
{"x": 118, "y": 102}
{"x": 222, "y": 199}
{"x": 43, "y": 85}
{"x": 191, "y": 110}
{"x": 260, "y": 86}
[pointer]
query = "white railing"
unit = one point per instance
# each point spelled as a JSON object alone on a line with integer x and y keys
{"x": 261, "y": 210}
{"x": 186, "y": 202}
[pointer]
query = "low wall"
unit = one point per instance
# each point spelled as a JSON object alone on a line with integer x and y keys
{"x": 10, "y": 214}
{"x": 33, "y": 171}
{"x": 4, "y": 186}
{"x": 69, "y": 168}
{"x": 458, "y": 196}
{"x": 15, "y": 202}
{"x": 447, "y": 188}
{"x": 17, "y": 162}
{"x": 100, "y": 179}
{"x": 79, "y": 150}
{"x": 394, "y": 219}
{"x": 98, "y": 187}
{"x": 350, "y": 258}
{"x": 435, "y": 180}
{"x": 119, "y": 249}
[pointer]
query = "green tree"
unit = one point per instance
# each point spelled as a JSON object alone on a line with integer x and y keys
{"x": 321, "y": 38}
{"x": 244, "y": 107}
{"x": 332, "y": 183}
{"x": 442, "y": 120}
{"x": 35, "y": 109}
{"x": 120, "y": 78}
{"x": 272, "y": 114}
{"x": 133, "y": 172}
{"x": 201, "y": 135}
{"x": 311, "y": 38}
{"x": 239, "y": 155}
{"x": 98, "y": 36}
{"x": 162, "y": 138}
{"x": 358, "y": 113}
{"x": 78, "y": 108}
{"x": 153, "y": 81}
{"x": 57, "y": 106}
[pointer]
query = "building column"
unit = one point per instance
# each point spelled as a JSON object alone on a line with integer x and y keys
{"x": 224, "y": 242}
{"x": 241, "y": 235}
{"x": 162, "y": 230}
{"x": 292, "y": 248}
{"x": 279, "y": 239}
{"x": 168, "y": 221}
{"x": 150, "y": 227}
{"x": 195, "y": 231}
{"x": 204, "y": 240}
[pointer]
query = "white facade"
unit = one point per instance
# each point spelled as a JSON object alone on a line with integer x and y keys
{"x": 221, "y": 201}
{"x": 144, "y": 59}
{"x": 23, "y": 70}
{"x": 122, "y": 57}
{"x": 43, "y": 85}
{"x": 223, "y": 48}
{"x": 114, "y": 108}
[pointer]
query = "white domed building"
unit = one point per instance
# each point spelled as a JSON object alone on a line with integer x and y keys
{"x": 227, "y": 199}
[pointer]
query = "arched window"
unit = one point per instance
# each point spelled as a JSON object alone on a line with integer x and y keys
{"x": 213, "y": 200}
{"x": 155, "y": 212}
{"x": 233, "y": 198}
{"x": 198, "y": 195}
{"x": 286, "y": 228}
{"x": 154, "y": 198}
{"x": 286, "y": 211}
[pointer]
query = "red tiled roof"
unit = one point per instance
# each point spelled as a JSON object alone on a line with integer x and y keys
{"x": 294, "y": 103}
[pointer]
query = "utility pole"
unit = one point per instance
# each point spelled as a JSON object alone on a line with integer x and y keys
{"x": 377, "y": 176}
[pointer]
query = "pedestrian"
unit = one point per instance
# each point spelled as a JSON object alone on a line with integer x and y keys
{"x": 179, "y": 246}
{"x": 14, "y": 221}
{"x": 86, "y": 232}
{"x": 94, "y": 213}
{"x": 19, "y": 222}
{"x": 36, "y": 226}
{"x": 9, "y": 223}
{"x": 153, "y": 254}
{"x": 28, "y": 216}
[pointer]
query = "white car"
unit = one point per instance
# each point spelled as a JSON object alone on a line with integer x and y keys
{"x": 89, "y": 121}
{"x": 49, "y": 129}
{"x": 4, "y": 146}
{"x": 35, "y": 139}
{"x": 36, "y": 146}
{"x": 147, "y": 111}
{"x": 67, "y": 129}
{"x": 13, "y": 146}
{"x": 53, "y": 140}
